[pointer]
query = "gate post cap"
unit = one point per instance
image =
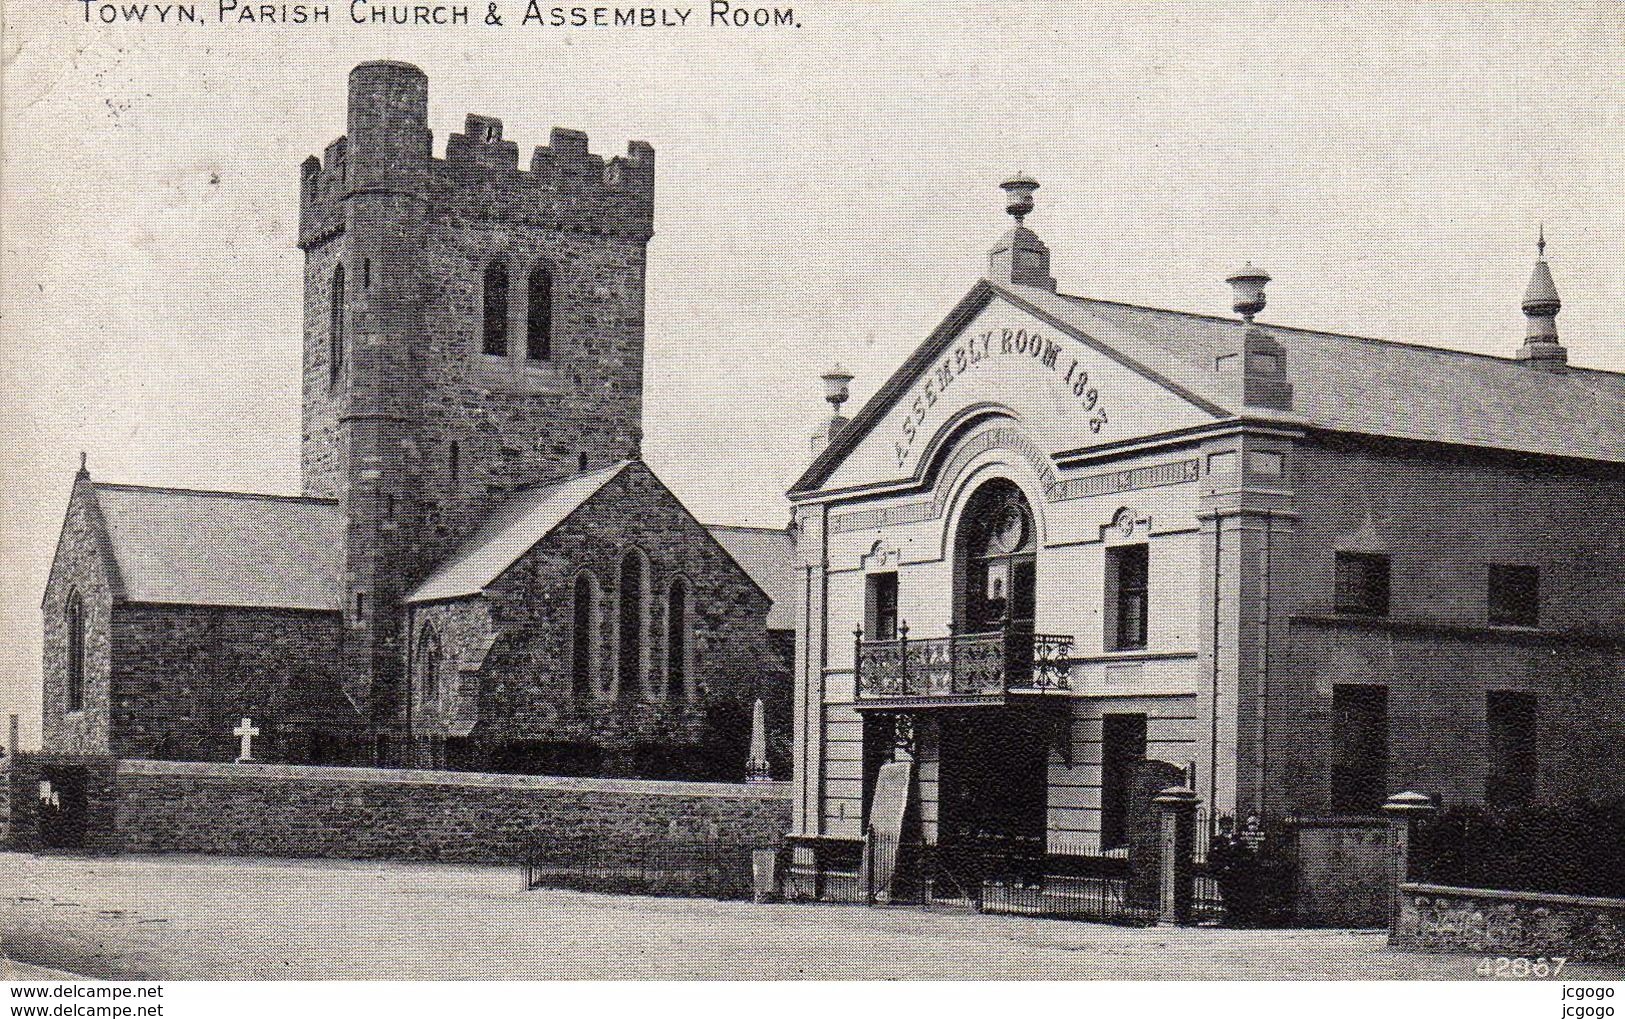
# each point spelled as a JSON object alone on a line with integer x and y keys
{"x": 1176, "y": 796}
{"x": 1406, "y": 803}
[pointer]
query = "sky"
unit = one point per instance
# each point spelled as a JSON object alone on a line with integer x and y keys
{"x": 824, "y": 193}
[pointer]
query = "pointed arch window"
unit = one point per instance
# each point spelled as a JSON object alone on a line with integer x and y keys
{"x": 677, "y": 640}
{"x": 429, "y": 663}
{"x": 539, "y": 316}
{"x": 74, "y": 617}
{"x": 634, "y": 615}
{"x": 584, "y": 636}
{"x": 496, "y": 310}
{"x": 335, "y": 324}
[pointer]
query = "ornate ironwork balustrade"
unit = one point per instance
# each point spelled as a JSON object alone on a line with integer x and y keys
{"x": 961, "y": 668}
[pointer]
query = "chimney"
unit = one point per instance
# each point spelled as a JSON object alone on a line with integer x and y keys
{"x": 837, "y": 383}
{"x": 1541, "y": 348}
{"x": 1020, "y": 257}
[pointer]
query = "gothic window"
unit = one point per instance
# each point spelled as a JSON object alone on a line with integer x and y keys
{"x": 539, "y": 316}
{"x": 335, "y": 324}
{"x": 75, "y": 619}
{"x": 677, "y": 640}
{"x": 634, "y": 612}
{"x": 453, "y": 465}
{"x": 584, "y": 635}
{"x": 429, "y": 663}
{"x": 496, "y": 310}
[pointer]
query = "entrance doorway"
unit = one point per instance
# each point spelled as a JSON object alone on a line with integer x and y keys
{"x": 62, "y": 808}
{"x": 994, "y": 761}
{"x": 993, "y": 780}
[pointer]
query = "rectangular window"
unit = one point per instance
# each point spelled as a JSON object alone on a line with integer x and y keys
{"x": 880, "y": 606}
{"x": 1359, "y": 748}
{"x": 1362, "y": 583}
{"x": 1514, "y": 595}
{"x": 1510, "y": 729}
{"x": 1128, "y": 581}
{"x": 1122, "y": 744}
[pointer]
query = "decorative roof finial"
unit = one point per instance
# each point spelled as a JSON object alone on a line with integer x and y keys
{"x": 1541, "y": 346}
{"x": 1247, "y": 286}
{"x": 82, "y": 468}
{"x": 1020, "y": 190}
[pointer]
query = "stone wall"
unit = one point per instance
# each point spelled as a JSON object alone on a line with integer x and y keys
{"x": 366, "y": 813}
{"x": 184, "y": 675}
{"x": 79, "y": 567}
{"x": 1530, "y": 925}
{"x": 518, "y": 636}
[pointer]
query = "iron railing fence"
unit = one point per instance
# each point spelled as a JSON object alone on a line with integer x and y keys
{"x": 986, "y": 665}
{"x": 692, "y": 866}
{"x": 1003, "y": 876}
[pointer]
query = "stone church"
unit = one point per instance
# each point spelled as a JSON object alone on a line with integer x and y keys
{"x": 480, "y": 573}
{"x": 1304, "y": 570}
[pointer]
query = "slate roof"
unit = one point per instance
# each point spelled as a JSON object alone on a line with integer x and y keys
{"x": 511, "y": 530}
{"x": 1339, "y": 382}
{"x": 765, "y": 554}
{"x": 187, "y": 547}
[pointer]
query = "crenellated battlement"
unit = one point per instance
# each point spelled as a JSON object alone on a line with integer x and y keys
{"x": 565, "y": 183}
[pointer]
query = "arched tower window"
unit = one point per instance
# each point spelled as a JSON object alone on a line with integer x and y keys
{"x": 496, "y": 310}
{"x": 335, "y": 324}
{"x": 74, "y": 617}
{"x": 634, "y": 613}
{"x": 677, "y": 640}
{"x": 454, "y": 465}
{"x": 539, "y": 316}
{"x": 429, "y": 663}
{"x": 584, "y": 636}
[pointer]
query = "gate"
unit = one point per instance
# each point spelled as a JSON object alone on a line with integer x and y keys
{"x": 62, "y": 807}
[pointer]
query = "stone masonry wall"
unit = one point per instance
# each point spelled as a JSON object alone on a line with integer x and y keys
{"x": 78, "y": 566}
{"x": 185, "y": 675}
{"x": 359, "y": 813}
{"x": 1526, "y": 925}
{"x": 521, "y": 637}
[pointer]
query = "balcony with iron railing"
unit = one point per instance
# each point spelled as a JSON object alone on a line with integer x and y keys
{"x": 988, "y": 668}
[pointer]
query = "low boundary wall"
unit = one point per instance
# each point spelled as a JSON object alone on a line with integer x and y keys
{"x": 138, "y": 806}
{"x": 1482, "y": 921}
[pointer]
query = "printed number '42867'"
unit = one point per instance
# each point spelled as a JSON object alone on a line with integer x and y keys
{"x": 1520, "y": 968}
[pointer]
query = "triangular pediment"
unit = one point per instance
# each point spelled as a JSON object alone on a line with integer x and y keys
{"x": 998, "y": 355}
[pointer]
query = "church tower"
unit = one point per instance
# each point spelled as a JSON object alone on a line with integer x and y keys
{"x": 470, "y": 328}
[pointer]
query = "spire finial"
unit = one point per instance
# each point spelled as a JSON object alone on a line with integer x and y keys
{"x": 1540, "y": 244}
{"x": 82, "y": 468}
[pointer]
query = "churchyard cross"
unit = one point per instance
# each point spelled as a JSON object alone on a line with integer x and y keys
{"x": 246, "y": 732}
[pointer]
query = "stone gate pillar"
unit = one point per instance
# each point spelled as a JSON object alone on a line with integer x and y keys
{"x": 1404, "y": 811}
{"x": 1178, "y": 809}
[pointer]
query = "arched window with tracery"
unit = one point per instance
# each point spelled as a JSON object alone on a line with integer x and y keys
{"x": 677, "y": 640}
{"x": 539, "y": 316}
{"x": 335, "y": 324}
{"x": 584, "y": 636}
{"x": 429, "y": 663}
{"x": 74, "y": 617}
{"x": 496, "y": 310}
{"x": 634, "y": 620}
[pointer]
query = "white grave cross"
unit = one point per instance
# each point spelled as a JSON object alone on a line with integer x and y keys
{"x": 246, "y": 732}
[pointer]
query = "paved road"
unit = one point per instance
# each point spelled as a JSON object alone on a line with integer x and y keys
{"x": 187, "y": 917}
